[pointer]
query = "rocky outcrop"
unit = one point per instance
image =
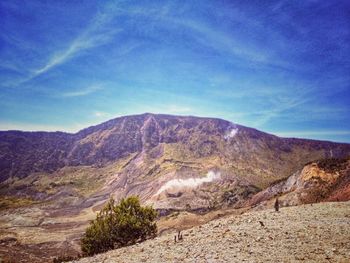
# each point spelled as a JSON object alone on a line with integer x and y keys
{"x": 324, "y": 180}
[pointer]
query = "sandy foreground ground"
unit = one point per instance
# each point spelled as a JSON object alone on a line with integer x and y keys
{"x": 306, "y": 233}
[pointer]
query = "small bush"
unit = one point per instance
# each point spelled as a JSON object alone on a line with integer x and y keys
{"x": 119, "y": 225}
{"x": 332, "y": 164}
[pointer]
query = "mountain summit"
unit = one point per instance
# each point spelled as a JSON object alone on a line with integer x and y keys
{"x": 55, "y": 182}
{"x": 150, "y": 150}
{"x": 154, "y": 136}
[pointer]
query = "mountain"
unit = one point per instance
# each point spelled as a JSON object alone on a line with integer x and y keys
{"x": 52, "y": 183}
{"x": 23, "y": 153}
{"x": 159, "y": 156}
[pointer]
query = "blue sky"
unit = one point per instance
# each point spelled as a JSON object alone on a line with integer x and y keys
{"x": 278, "y": 66}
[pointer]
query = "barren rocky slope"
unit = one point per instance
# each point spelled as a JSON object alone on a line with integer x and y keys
{"x": 306, "y": 233}
{"x": 54, "y": 183}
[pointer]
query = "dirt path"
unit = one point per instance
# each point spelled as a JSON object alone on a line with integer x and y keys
{"x": 307, "y": 233}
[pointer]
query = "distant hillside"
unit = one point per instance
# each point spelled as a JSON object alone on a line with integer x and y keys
{"x": 172, "y": 162}
{"x": 162, "y": 158}
{"x": 189, "y": 138}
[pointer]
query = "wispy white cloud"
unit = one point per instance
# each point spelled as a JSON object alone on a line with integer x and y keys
{"x": 10, "y": 66}
{"x": 86, "y": 41}
{"x": 277, "y": 6}
{"x": 97, "y": 33}
{"x": 100, "y": 114}
{"x": 59, "y": 58}
{"x": 82, "y": 92}
{"x": 214, "y": 37}
{"x": 223, "y": 42}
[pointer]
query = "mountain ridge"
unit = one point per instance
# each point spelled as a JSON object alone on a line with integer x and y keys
{"x": 164, "y": 115}
{"x": 127, "y": 134}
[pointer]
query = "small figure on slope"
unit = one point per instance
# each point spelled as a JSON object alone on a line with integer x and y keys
{"x": 277, "y": 205}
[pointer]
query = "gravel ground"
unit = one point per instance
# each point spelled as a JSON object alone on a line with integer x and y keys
{"x": 306, "y": 233}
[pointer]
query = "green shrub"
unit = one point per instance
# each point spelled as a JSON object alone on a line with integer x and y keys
{"x": 119, "y": 225}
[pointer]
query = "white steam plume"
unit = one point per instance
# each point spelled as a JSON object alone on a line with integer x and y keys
{"x": 190, "y": 182}
{"x": 230, "y": 134}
